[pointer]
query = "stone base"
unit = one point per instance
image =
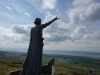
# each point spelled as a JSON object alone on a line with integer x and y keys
{"x": 15, "y": 72}
{"x": 45, "y": 70}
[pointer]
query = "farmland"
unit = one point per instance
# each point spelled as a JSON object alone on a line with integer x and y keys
{"x": 64, "y": 64}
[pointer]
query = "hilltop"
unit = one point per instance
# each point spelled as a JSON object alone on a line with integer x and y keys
{"x": 65, "y": 64}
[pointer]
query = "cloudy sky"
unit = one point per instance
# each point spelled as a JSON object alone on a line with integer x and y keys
{"x": 78, "y": 28}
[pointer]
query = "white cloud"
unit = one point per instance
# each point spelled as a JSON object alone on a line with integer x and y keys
{"x": 23, "y": 31}
{"x": 13, "y": 40}
{"x": 17, "y": 33}
{"x": 49, "y": 4}
{"x": 84, "y": 19}
{"x": 93, "y": 36}
{"x": 7, "y": 35}
{"x": 8, "y": 7}
{"x": 57, "y": 31}
{"x": 79, "y": 33}
{"x": 82, "y": 2}
{"x": 84, "y": 11}
{"x": 27, "y": 14}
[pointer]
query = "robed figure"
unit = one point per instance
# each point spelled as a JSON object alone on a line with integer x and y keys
{"x": 33, "y": 61}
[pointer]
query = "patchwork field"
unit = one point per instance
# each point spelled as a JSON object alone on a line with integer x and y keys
{"x": 65, "y": 65}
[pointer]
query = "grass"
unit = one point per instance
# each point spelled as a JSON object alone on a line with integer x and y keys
{"x": 64, "y": 66}
{"x": 75, "y": 65}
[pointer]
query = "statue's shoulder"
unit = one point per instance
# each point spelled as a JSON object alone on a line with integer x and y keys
{"x": 33, "y": 28}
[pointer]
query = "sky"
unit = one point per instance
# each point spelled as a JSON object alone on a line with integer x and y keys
{"x": 78, "y": 28}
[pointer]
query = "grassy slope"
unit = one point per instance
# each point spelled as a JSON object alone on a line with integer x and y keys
{"x": 66, "y": 65}
{"x": 75, "y": 65}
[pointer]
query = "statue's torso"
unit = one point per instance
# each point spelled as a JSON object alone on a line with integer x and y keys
{"x": 36, "y": 33}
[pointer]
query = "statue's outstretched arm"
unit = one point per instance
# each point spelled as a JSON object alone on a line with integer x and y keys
{"x": 47, "y": 24}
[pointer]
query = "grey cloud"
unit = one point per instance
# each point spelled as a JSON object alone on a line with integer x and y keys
{"x": 18, "y": 29}
{"x": 57, "y": 32}
{"x": 79, "y": 33}
{"x": 21, "y": 29}
{"x": 7, "y": 35}
{"x": 93, "y": 36}
{"x": 25, "y": 38}
{"x": 84, "y": 17}
{"x": 91, "y": 13}
{"x": 82, "y": 2}
{"x": 57, "y": 38}
{"x": 87, "y": 11}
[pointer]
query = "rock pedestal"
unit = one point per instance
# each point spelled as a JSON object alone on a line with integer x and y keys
{"x": 48, "y": 69}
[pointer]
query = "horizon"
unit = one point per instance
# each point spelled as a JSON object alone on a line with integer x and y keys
{"x": 64, "y": 53}
{"x": 77, "y": 29}
{"x": 17, "y": 50}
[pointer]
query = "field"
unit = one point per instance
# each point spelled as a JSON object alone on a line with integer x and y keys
{"x": 65, "y": 64}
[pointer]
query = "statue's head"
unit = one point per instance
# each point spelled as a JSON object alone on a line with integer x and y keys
{"x": 37, "y": 21}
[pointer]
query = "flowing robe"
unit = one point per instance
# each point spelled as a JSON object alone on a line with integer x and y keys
{"x": 33, "y": 60}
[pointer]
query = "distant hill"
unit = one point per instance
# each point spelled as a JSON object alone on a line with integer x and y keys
{"x": 73, "y": 53}
{"x": 57, "y": 52}
{"x": 13, "y": 54}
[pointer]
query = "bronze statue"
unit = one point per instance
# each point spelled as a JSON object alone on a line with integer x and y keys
{"x": 33, "y": 62}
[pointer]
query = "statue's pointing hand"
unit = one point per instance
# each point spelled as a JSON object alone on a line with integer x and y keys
{"x": 56, "y": 18}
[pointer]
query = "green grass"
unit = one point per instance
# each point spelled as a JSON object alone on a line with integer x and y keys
{"x": 68, "y": 65}
{"x": 75, "y": 65}
{"x": 7, "y": 65}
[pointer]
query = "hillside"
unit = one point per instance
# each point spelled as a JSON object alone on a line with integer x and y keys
{"x": 65, "y": 64}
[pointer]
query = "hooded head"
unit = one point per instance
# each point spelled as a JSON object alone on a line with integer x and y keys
{"x": 37, "y": 21}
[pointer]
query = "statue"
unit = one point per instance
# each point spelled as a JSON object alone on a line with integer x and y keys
{"x": 33, "y": 62}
